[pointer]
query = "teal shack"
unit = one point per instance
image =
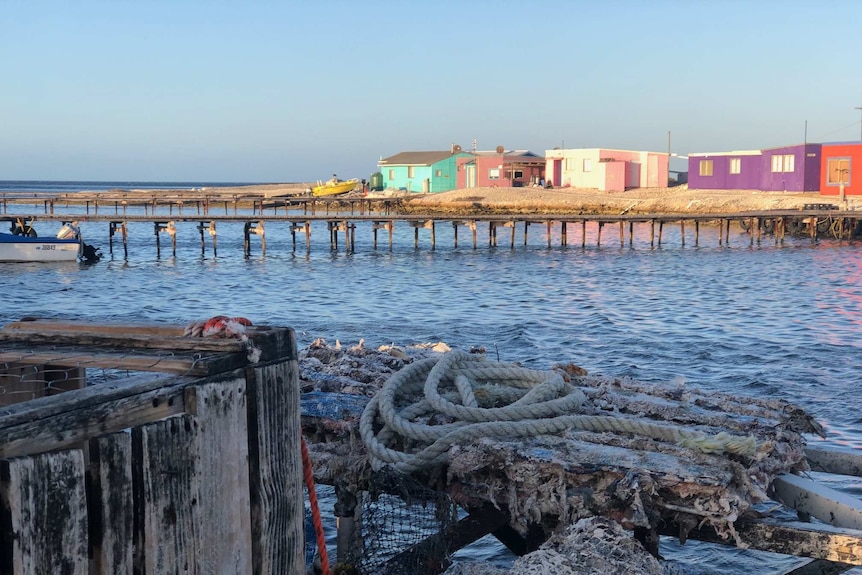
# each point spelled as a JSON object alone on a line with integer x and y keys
{"x": 422, "y": 172}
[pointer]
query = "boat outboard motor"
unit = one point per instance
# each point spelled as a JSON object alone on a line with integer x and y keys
{"x": 89, "y": 254}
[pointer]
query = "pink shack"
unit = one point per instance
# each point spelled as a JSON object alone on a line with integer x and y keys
{"x": 500, "y": 168}
{"x": 606, "y": 170}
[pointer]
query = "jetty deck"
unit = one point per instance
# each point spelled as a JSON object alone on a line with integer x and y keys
{"x": 341, "y": 216}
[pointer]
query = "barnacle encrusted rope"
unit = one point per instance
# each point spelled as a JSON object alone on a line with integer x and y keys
{"x": 539, "y": 402}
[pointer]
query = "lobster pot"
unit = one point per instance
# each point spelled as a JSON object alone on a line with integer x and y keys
{"x": 136, "y": 449}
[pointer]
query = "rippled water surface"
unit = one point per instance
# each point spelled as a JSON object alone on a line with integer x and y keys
{"x": 765, "y": 320}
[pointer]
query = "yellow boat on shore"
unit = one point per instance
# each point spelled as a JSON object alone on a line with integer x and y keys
{"x": 334, "y": 187}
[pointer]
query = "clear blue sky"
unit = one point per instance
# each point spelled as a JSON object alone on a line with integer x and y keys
{"x": 296, "y": 90}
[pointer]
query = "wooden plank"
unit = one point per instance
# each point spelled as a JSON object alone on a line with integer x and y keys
{"x": 223, "y": 518}
{"x": 192, "y": 365}
{"x": 271, "y": 340}
{"x": 817, "y": 541}
{"x": 169, "y": 495}
{"x": 87, "y": 397}
{"x": 842, "y": 460}
{"x": 110, "y": 505}
{"x": 195, "y": 486}
{"x": 75, "y": 327}
{"x": 824, "y": 503}
{"x": 276, "y": 468}
{"x": 58, "y": 337}
{"x": 69, "y": 427}
{"x": 45, "y": 500}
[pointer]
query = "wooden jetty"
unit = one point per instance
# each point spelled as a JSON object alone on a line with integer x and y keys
{"x": 137, "y": 449}
{"x": 342, "y": 216}
{"x": 341, "y": 229}
{"x": 522, "y": 486}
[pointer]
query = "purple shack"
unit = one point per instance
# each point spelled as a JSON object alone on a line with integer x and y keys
{"x": 784, "y": 169}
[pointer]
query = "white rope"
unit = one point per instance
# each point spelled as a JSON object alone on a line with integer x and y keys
{"x": 466, "y": 392}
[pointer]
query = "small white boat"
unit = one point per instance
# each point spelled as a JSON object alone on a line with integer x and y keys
{"x": 24, "y": 245}
{"x": 29, "y": 249}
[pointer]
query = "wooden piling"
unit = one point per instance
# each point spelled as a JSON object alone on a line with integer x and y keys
{"x": 212, "y": 232}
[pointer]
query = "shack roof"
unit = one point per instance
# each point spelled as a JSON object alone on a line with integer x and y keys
{"x": 416, "y": 158}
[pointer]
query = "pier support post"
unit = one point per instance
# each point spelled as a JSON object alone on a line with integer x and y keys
{"x": 622, "y": 233}
{"x": 682, "y": 232}
{"x": 599, "y": 234}
{"x": 201, "y": 228}
{"x": 652, "y": 233}
{"x": 346, "y": 504}
{"x": 563, "y": 238}
{"x": 157, "y": 229}
{"x": 171, "y": 230}
{"x": 212, "y": 231}
{"x": 583, "y": 233}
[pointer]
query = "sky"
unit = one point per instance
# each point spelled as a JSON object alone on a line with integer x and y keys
{"x": 296, "y": 90}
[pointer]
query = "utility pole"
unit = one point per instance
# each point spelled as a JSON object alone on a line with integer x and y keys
{"x": 667, "y": 183}
{"x": 860, "y": 122}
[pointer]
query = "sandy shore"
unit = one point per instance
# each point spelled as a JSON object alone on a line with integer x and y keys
{"x": 677, "y": 199}
{"x": 640, "y": 200}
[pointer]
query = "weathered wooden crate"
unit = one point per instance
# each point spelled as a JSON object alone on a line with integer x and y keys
{"x": 134, "y": 449}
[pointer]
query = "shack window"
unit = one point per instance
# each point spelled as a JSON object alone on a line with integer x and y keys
{"x": 391, "y": 174}
{"x": 588, "y": 165}
{"x": 783, "y": 163}
{"x": 439, "y": 173}
{"x": 494, "y": 174}
{"x": 705, "y": 168}
{"x": 837, "y": 171}
{"x": 411, "y": 172}
{"x": 735, "y": 165}
{"x": 517, "y": 174}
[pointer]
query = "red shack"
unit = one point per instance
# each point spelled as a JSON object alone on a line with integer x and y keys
{"x": 839, "y": 160}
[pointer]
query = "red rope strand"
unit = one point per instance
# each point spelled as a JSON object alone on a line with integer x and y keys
{"x": 308, "y": 474}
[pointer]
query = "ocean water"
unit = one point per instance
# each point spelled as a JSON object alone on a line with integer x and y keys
{"x": 62, "y": 187}
{"x": 763, "y": 320}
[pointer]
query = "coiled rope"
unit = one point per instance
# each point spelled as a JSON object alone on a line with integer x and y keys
{"x": 536, "y": 403}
